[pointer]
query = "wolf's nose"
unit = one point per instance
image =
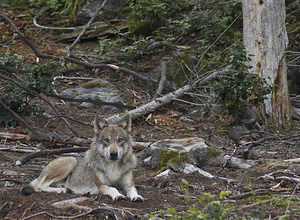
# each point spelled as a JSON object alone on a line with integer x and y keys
{"x": 114, "y": 155}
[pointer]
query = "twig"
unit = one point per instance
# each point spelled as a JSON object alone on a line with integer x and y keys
{"x": 28, "y": 209}
{"x": 226, "y": 161}
{"x": 36, "y": 52}
{"x": 247, "y": 194}
{"x": 69, "y": 50}
{"x": 216, "y": 41}
{"x": 288, "y": 205}
{"x": 51, "y": 28}
{"x": 16, "y": 150}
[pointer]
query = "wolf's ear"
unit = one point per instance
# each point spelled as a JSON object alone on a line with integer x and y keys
{"x": 126, "y": 123}
{"x": 99, "y": 124}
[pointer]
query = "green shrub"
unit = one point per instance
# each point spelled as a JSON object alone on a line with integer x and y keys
{"x": 214, "y": 208}
{"x": 37, "y": 78}
{"x": 237, "y": 89}
{"x": 146, "y": 16}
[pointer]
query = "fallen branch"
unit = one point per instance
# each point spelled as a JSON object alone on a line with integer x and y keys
{"x": 244, "y": 151}
{"x": 72, "y": 203}
{"x": 162, "y": 79}
{"x": 251, "y": 193}
{"x": 270, "y": 176}
{"x": 158, "y": 102}
{"x": 14, "y": 114}
{"x": 92, "y": 211}
{"x": 46, "y": 153}
{"x": 47, "y": 137}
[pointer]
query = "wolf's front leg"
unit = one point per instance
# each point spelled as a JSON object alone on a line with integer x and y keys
{"x": 104, "y": 189}
{"x": 129, "y": 188}
{"x": 111, "y": 191}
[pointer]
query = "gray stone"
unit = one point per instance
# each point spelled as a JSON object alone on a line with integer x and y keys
{"x": 195, "y": 148}
{"x": 96, "y": 90}
{"x": 110, "y": 11}
{"x": 238, "y": 131}
{"x": 297, "y": 171}
{"x": 196, "y": 151}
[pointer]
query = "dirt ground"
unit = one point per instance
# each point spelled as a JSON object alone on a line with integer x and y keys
{"x": 252, "y": 197}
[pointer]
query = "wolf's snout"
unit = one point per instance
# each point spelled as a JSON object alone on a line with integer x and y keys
{"x": 113, "y": 155}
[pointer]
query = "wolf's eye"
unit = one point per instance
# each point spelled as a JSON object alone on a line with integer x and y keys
{"x": 120, "y": 139}
{"x": 105, "y": 140}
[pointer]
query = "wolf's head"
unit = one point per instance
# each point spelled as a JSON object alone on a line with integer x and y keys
{"x": 112, "y": 141}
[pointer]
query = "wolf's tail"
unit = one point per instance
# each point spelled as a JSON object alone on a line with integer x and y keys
{"x": 27, "y": 190}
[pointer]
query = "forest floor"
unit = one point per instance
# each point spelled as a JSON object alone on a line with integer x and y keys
{"x": 252, "y": 197}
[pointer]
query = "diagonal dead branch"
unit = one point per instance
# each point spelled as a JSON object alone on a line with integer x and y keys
{"x": 85, "y": 28}
{"x": 14, "y": 114}
{"x": 45, "y": 100}
{"x": 158, "y": 102}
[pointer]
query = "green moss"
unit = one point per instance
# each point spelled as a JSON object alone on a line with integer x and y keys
{"x": 214, "y": 152}
{"x": 72, "y": 6}
{"x": 2, "y": 184}
{"x": 142, "y": 28}
{"x": 171, "y": 156}
{"x": 94, "y": 84}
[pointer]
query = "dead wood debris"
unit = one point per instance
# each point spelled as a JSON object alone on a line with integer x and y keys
{"x": 89, "y": 211}
{"x": 287, "y": 176}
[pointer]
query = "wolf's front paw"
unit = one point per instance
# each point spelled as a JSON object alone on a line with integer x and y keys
{"x": 137, "y": 198}
{"x": 117, "y": 196}
{"x": 133, "y": 195}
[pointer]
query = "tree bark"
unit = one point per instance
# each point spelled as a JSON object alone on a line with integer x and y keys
{"x": 265, "y": 38}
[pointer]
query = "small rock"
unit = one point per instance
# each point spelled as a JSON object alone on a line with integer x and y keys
{"x": 96, "y": 90}
{"x": 297, "y": 171}
{"x": 167, "y": 172}
{"x": 238, "y": 131}
{"x": 186, "y": 120}
{"x": 190, "y": 168}
{"x": 9, "y": 173}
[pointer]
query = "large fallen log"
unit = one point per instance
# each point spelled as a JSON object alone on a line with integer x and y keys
{"x": 158, "y": 102}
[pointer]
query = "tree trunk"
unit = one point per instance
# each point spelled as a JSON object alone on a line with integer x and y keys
{"x": 265, "y": 38}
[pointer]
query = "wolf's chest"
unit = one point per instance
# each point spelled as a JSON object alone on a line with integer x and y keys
{"x": 113, "y": 173}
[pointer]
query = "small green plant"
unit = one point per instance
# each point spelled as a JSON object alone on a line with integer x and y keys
{"x": 237, "y": 89}
{"x": 37, "y": 78}
{"x": 213, "y": 209}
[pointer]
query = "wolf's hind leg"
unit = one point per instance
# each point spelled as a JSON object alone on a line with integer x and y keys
{"x": 55, "y": 171}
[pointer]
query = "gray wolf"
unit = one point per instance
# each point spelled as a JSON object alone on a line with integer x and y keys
{"x": 106, "y": 168}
